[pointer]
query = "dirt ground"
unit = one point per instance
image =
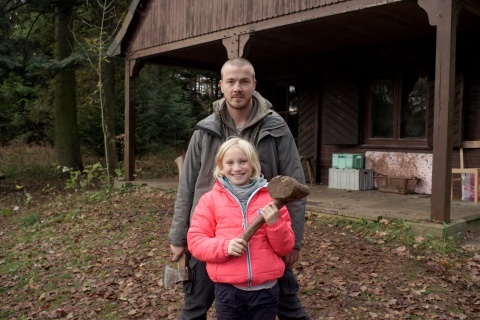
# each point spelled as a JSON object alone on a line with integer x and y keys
{"x": 91, "y": 256}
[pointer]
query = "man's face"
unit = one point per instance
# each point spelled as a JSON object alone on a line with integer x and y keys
{"x": 237, "y": 86}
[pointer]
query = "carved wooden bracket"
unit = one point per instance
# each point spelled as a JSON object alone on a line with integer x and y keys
{"x": 438, "y": 11}
{"x": 236, "y": 45}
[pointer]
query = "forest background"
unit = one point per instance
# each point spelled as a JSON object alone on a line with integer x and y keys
{"x": 60, "y": 88}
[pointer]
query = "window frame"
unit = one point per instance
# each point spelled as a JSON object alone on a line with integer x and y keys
{"x": 396, "y": 140}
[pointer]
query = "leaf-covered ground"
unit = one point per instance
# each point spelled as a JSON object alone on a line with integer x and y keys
{"x": 101, "y": 256}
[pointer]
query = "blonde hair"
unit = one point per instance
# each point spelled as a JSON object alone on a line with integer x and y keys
{"x": 238, "y": 62}
{"x": 247, "y": 148}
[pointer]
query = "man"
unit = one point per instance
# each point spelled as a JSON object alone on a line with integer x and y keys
{"x": 242, "y": 112}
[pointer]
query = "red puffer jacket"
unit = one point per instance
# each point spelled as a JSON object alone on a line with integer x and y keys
{"x": 218, "y": 218}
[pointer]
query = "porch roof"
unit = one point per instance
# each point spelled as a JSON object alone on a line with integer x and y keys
{"x": 326, "y": 29}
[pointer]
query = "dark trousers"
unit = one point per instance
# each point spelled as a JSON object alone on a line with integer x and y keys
{"x": 200, "y": 293}
{"x": 232, "y": 303}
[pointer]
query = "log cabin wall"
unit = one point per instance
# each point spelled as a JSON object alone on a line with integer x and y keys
{"x": 332, "y": 102}
{"x": 338, "y": 83}
{"x": 342, "y": 104}
{"x": 470, "y": 65}
{"x": 308, "y": 118}
{"x": 472, "y": 106}
{"x": 305, "y": 132}
{"x": 471, "y": 120}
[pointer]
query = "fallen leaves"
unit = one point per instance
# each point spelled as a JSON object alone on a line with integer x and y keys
{"x": 105, "y": 259}
{"x": 375, "y": 280}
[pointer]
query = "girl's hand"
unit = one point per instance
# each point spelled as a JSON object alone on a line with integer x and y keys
{"x": 236, "y": 247}
{"x": 270, "y": 213}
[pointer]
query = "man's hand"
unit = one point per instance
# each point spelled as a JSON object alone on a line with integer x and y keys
{"x": 177, "y": 252}
{"x": 291, "y": 258}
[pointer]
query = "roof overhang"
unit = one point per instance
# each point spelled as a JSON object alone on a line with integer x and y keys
{"x": 311, "y": 34}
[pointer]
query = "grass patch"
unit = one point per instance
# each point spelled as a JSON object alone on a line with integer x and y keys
{"x": 149, "y": 167}
{"x": 394, "y": 232}
{"x": 24, "y": 162}
{"x": 30, "y": 220}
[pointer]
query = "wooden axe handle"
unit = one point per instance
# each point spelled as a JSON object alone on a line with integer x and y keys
{"x": 256, "y": 224}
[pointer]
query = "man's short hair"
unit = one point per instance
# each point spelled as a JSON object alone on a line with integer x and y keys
{"x": 238, "y": 62}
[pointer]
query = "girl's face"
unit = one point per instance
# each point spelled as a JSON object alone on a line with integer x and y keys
{"x": 236, "y": 167}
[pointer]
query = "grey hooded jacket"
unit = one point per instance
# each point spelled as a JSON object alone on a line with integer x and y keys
{"x": 276, "y": 148}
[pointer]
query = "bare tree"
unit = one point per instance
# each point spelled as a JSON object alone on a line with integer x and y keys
{"x": 101, "y": 17}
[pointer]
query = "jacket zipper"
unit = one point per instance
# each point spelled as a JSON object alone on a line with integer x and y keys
{"x": 244, "y": 224}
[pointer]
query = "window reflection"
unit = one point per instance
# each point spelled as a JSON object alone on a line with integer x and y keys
{"x": 414, "y": 106}
{"x": 382, "y": 108}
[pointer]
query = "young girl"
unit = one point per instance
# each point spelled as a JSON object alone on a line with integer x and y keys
{"x": 245, "y": 274}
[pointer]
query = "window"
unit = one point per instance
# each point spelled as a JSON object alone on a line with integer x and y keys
{"x": 397, "y": 109}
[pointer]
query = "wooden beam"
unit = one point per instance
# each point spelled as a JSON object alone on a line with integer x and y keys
{"x": 115, "y": 47}
{"x": 129, "y": 139}
{"x": 472, "y": 5}
{"x": 444, "y": 15}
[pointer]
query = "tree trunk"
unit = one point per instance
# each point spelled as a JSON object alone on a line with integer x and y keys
{"x": 67, "y": 144}
{"x": 108, "y": 79}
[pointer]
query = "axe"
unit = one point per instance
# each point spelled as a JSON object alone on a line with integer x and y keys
{"x": 172, "y": 276}
{"x": 283, "y": 190}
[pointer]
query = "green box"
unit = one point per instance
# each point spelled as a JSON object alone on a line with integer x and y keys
{"x": 347, "y": 160}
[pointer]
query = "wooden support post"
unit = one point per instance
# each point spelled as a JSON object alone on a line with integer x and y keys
{"x": 444, "y": 15}
{"x": 131, "y": 68}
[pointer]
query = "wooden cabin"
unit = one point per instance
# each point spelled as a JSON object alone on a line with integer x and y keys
{"x": 392, "y": 79}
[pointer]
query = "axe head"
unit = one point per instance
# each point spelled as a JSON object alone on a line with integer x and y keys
{"x": 171, "y": 276}
{"x": 284, "y": 190}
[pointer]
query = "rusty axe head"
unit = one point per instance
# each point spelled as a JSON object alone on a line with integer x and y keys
{"x": 171, "y": 276}
{"x": 284, "y": 190}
